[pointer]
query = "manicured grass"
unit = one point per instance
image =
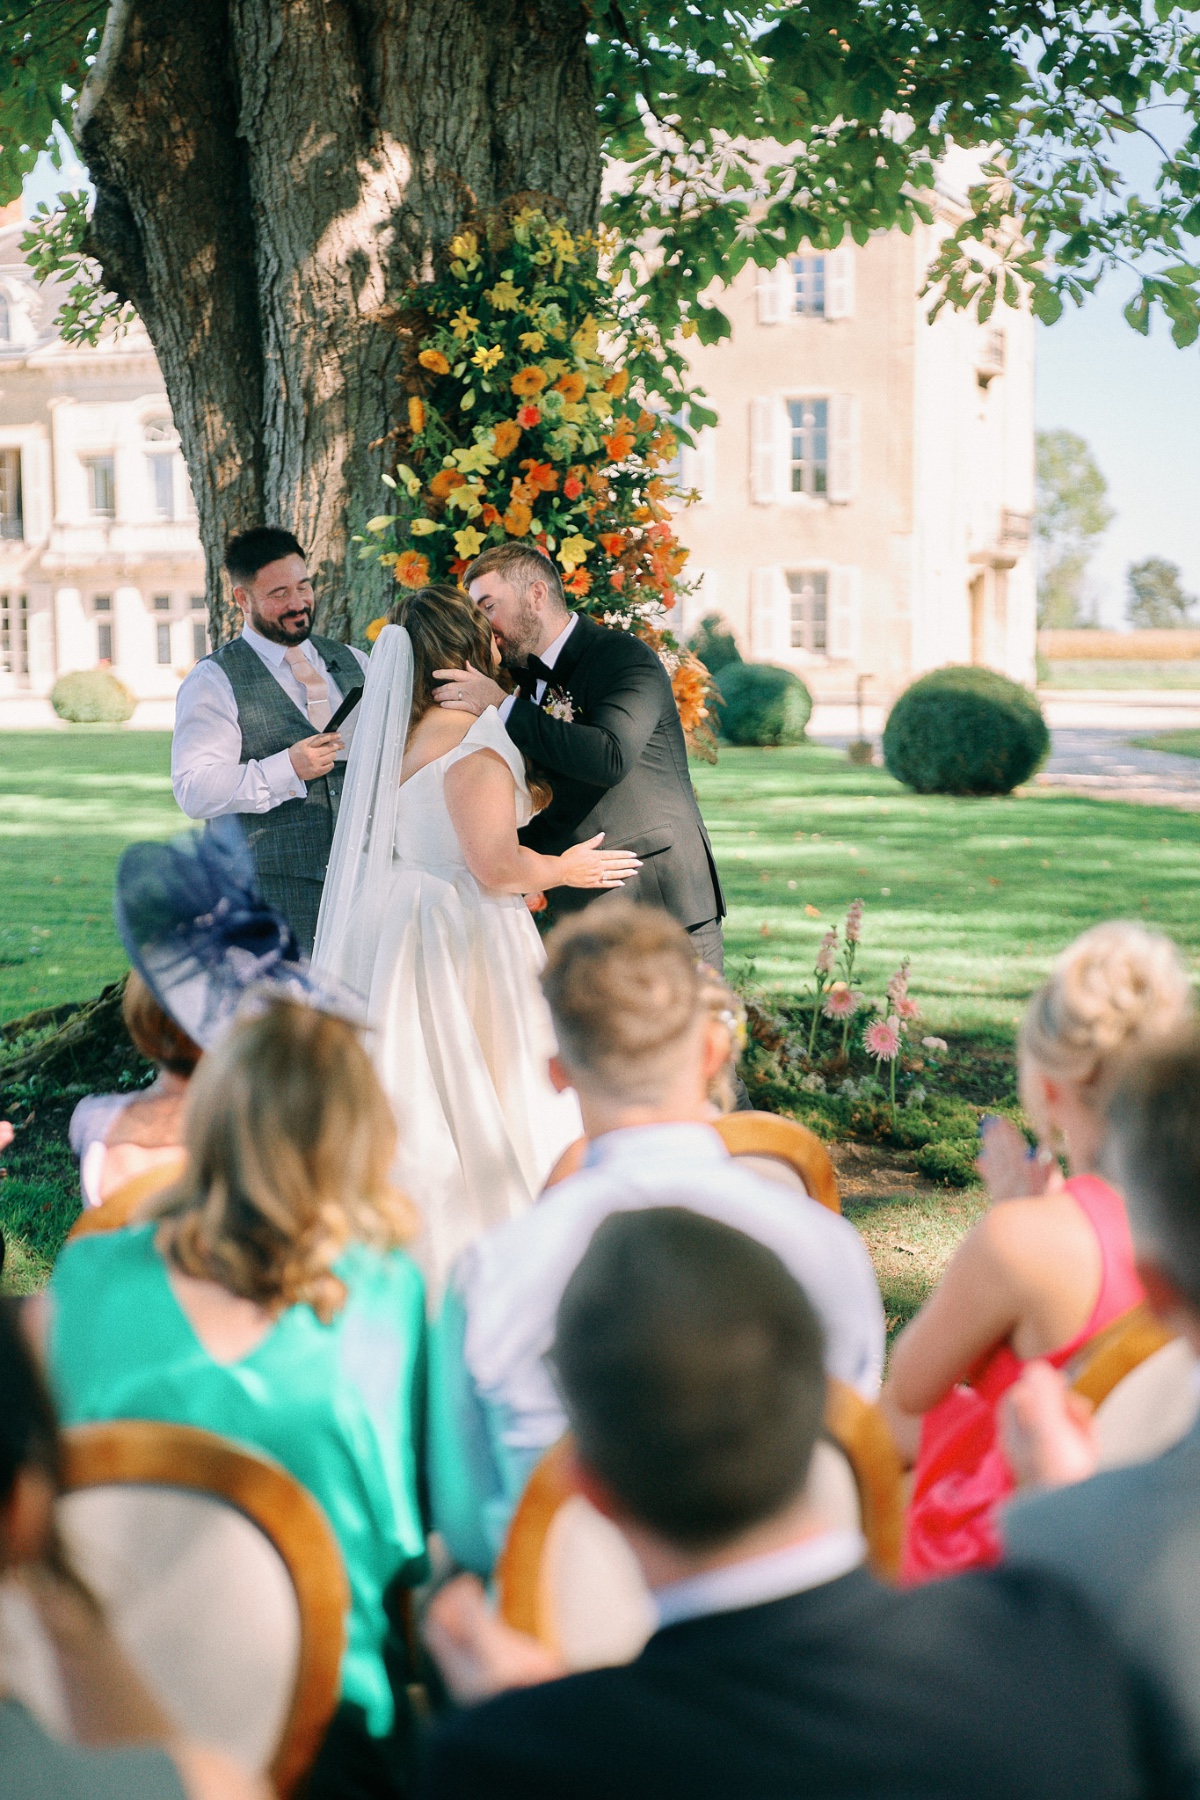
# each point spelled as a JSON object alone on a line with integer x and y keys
{"x": 982, "y": 894}
{"x": 1111, "y": 672}
{"x": 911, "y": 1238}
{"x": 1179, "y": 743}
{"x": 69, "y": 803}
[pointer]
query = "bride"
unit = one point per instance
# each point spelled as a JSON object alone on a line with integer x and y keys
{"x": 422, "y": 912}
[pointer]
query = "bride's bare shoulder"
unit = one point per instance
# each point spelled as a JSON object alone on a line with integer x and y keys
{"x": 438, "y": 732}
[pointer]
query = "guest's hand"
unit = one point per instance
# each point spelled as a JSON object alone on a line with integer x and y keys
{"x": 1047, "y": 1431}
{"x": 315, "y": 756}
{"x": 477, "y": 1653}
{"x": 466, "y": 690}
{"x": 6, "y": 1134}
{"x": 1008, "y": 1166}
{"x": 587, "y": 866}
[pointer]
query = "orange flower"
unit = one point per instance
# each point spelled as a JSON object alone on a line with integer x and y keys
{"x": 459, "y": 566}
{"x": 416, "y": 414}
{"x": 572, "y": 386}
{"x": 530, "y": 380}
{"x": 505, "y": 437}
{"x": 578, "y": 582}
{"x": 621, "y": 442}
{"x": 541, "y": 476}
{"x": 572, "y": 487}
{"x": 445, "y": 481}
{"x": 617, "y": 579}
{"x": 412, "y": 569}
{"x": 490, "y": 514}
{"x": 690, "y": 686}
{"x": 524, "y": 491}
{"x": 616, "y": 384}
{"x": 528, "y": 416}
{"x": 434, "y": 361}
{"x": 613, "y": 542}
{"x": 517, "y": 519}
{"x": 646, "y": 421}
{"x": 373, "y": 629}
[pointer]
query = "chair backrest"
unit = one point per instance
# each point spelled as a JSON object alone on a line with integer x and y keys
{"x": 1142, "y": 1384}
{"x": 125, "y": 1202}
{"x": 777, "y": 1148}
{"x": 221, "y": 1579}
{"x": 567, "y": 1576}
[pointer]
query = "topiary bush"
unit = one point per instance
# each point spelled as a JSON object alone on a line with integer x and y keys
{"x": 92, "y": 697}
{"x": 762, "y": 704}
{"x": 962, "y": 730}
{"x": 714, "y": 643}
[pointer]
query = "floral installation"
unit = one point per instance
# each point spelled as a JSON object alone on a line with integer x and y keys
{"x": 559, "y": 704}
{"x": 529, "y": 388}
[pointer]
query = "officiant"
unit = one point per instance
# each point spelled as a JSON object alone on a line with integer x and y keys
{"x": 251, "y": 724}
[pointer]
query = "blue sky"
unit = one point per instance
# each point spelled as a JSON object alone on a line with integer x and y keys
{"x": 1136, "y": 401}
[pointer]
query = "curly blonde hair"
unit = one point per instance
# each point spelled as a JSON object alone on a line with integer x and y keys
{"x": 1118, "y": 988}
{"x": 289, "y": 1138}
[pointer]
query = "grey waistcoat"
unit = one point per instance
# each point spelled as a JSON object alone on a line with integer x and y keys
{"x": 294, "y": 838}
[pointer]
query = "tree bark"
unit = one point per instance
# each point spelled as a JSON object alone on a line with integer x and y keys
{"x": 269, "y": 173}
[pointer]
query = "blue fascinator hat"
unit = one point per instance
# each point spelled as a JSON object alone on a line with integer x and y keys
{"x": 202, "y": 938}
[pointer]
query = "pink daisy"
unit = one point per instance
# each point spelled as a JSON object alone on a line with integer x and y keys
{"x": 827, "y": 954}
{"x": 882, "y": 1039}
{"x": 840, "y": 1001}
{"x": 906, "y": 1008}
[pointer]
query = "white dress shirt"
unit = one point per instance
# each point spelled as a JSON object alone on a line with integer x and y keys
{"x": 549, "y": 656}
{"x": 208, "y": 776}
{"x": 759, "y": 1579}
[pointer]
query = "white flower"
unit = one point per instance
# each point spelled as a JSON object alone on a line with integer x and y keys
{"x": 915, "y": 1096}
{"x": 935, "y": 1043}
{"x": 559, "y": 705}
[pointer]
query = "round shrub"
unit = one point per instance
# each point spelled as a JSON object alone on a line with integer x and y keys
{"x": 714, "y": 643}
{"x": 964, "y": 730}
{"x": 762, "y": 704}
{"x": 92, "y": 697}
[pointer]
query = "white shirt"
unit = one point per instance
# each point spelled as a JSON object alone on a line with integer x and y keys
{"x": 550, "y": 657}
{"x": 759, "y": 1579}
{"x": 208, "y": 776}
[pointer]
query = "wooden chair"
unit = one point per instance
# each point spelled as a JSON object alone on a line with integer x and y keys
{"x": 567, "y": 1577}
{"x": 777, "y": 1147}
{"x": 1142, "y": 1383}
{"x": 124, "y": 1204}
{"x": 221, "y": 1578}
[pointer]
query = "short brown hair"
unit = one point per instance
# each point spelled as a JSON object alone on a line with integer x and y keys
{"x": 154, "y": 1032}
{"x": 519, "y": 564}
{"x": 447, "y": 632}
{"x": 1153, "y": 1153}
{"x": 289, "y": 1139}
{"x": 689, "y": 1360}
{"x": 624, "y": 991}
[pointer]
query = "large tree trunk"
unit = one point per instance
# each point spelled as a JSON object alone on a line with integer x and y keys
{"x": 269, "y": 173}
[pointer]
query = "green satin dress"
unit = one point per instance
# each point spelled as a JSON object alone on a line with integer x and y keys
{"x": 340, "y": 1405}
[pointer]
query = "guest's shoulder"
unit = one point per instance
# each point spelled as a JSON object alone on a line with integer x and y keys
{"x": 388, "y": 1275}
{"x": 1089, "y": 1530}
{"x": 534, "y": 1741}
{"x": 99, "y": 1256}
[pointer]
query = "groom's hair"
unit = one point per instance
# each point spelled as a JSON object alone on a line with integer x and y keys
{"x": 519, "y": 564}
{"x": 625, "y": 995}
{"x": 252, "y": 550}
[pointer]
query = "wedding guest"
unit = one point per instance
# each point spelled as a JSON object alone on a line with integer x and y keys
{"x": 1127, "y": 1538}
{"x": 640, "y": 1047}
{"x": 1049, "y": 1265}
{"x": 250, "y": 725}
{"x": 122, "y": 1746}
{"x": 690, "y": 1364}
{"x": 269, "y": 1301}
{"x": 116, "y": 1136}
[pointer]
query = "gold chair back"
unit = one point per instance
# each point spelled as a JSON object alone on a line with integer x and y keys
{"x": 767, "y": 1137}
{"x": 125, "y": 1202}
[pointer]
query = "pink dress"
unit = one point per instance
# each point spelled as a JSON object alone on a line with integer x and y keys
{"x": 962, "y": 1475}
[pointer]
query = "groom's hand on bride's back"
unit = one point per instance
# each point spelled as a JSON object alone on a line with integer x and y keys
{"x": 315, "y": 756}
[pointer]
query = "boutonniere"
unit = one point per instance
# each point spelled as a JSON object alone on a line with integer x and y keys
{"x": 558, "y": 703}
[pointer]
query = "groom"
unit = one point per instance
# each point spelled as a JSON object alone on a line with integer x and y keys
{"x": 593, "y": 709}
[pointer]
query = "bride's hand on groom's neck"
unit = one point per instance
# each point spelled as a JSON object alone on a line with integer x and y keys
{"x": 467, "y": 690}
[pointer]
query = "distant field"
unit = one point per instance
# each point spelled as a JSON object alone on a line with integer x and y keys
{"x": 1110, "y": 673}
{"x": 1179, "y": 743}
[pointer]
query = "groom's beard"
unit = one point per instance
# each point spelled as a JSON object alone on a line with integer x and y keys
{"x": 291, "y": 628}
{"x": 515, "y": 650}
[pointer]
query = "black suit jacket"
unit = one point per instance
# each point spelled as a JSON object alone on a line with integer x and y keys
{"x": 620, "y": 766}
{"x": 991, "y": 1687}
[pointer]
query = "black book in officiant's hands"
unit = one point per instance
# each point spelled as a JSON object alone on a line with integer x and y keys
{"x": 343, "y": 712}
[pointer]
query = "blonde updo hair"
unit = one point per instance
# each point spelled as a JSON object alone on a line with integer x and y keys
{"x": 1117, "y": 989}
{"x": 289, "y": 1139}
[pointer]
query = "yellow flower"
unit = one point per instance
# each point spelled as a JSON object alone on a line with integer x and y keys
{"x": 487, "y": 359}
{"x": 573, "y": 550}
{"x": 373, "y": 629}
{"x": 423, "y": 527}
{"x": 528, "y": 381}
{"x": 381, "y": 523}
{"x": 435, "y": 361}
{"x": 533, "y": 341}
{"x": 416, "y": 414}
{"x": 474, "y": 459}
{"x": 504, "y": 296}
{"x": 462, "y": 324}
{"x": 465, "y": 246}
{"x": 468, "y": 542}
{"x": 689, "y": 328}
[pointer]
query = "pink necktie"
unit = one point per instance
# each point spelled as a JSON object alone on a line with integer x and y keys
{"x": 316, "y": 688}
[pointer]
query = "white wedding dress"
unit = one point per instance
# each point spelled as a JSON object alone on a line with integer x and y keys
{"x": 460, "y": 1031}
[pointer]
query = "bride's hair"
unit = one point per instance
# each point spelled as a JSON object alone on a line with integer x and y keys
{"x": 447, "y": 631}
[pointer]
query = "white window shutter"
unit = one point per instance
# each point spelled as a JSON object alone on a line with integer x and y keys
{"x": 843, "y": 448}
{"x": 766, "y": 420}
{"x": 764, "y": 611}
{"x": 845, "y": 613}
{"x": 773, "y": 294}
{"x": 839, "y": 283}
{"x": 696, "y": 465}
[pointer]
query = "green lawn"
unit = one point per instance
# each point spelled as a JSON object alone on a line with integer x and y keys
{"x": 1179, "y": 743}
{"x": 981, "y": 894}
{"x": 69, "y": 803}
{"x": 1116, "y": 672}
